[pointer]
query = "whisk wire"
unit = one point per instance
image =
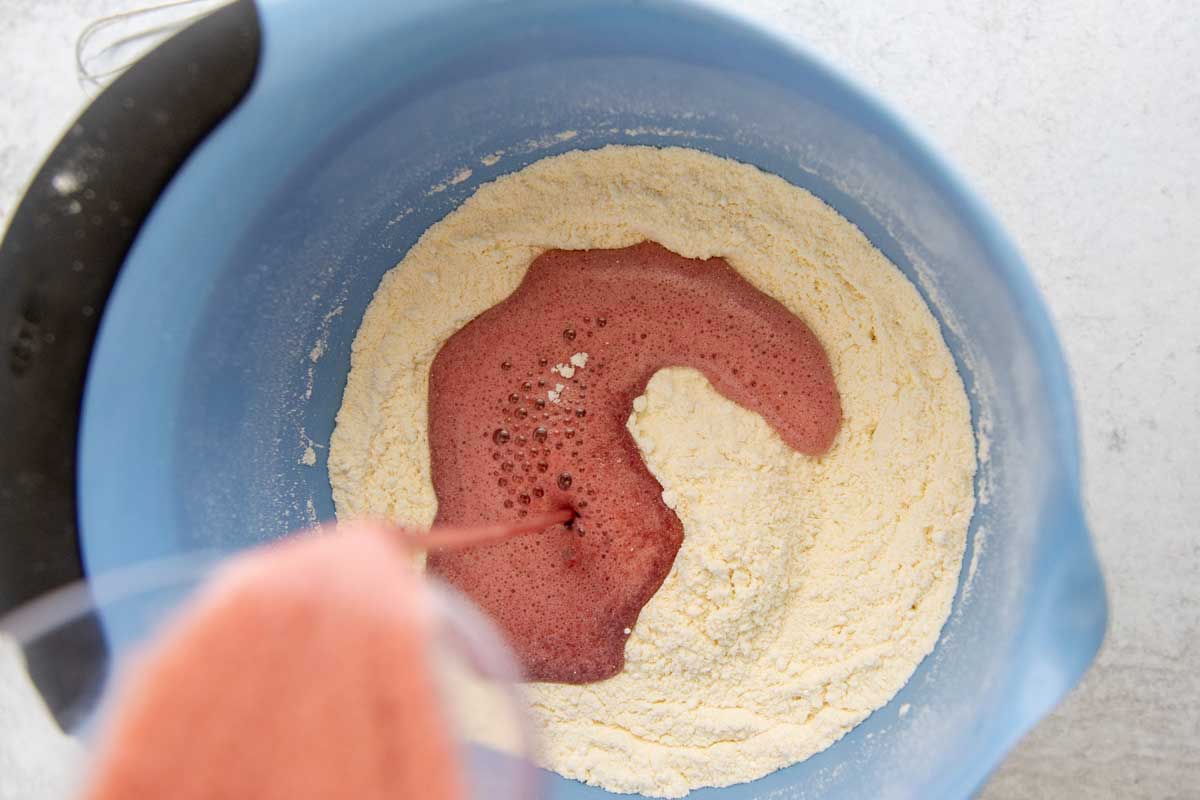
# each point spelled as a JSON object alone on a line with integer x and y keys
{"x": 91, "y": 68}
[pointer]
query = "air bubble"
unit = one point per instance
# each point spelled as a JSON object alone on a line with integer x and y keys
{"x": 601, "y": 321}
{"x": 523, "y": 499}
{"x": 506, "y": 364}
{"x": 564, "y": 480}
{"x": 538, "y": 491}
{"x": 501, "y": 436}
{"x": 540, "y": 434}
{"x": 506, "y": 466}
{"x": 569, "y": 334}
{"x": 543, "y": 466}
{"x": 514, "y": 397}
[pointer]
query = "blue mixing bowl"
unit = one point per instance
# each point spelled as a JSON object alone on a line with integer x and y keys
{"x": 202, "y": 397}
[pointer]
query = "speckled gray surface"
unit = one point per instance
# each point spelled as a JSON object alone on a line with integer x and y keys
{"x": 1079, "y": 122}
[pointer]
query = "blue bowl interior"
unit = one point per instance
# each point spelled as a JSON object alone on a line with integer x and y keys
{"x": 225, "y": 347}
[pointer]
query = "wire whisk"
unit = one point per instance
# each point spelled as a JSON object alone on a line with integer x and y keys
{"x": 110, "y": 45}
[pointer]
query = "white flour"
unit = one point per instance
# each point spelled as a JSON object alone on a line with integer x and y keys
{"x": 806, "y": 590}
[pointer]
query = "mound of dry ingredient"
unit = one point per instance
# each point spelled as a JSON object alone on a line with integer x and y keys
{"x": 806, "y": 588}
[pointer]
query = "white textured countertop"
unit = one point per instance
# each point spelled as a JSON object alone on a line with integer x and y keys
{"x": 1079, "y": 122}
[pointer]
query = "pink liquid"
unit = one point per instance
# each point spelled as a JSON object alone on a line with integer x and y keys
{"x": 300, "y": 672}
{"x": 502, "y": 450}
